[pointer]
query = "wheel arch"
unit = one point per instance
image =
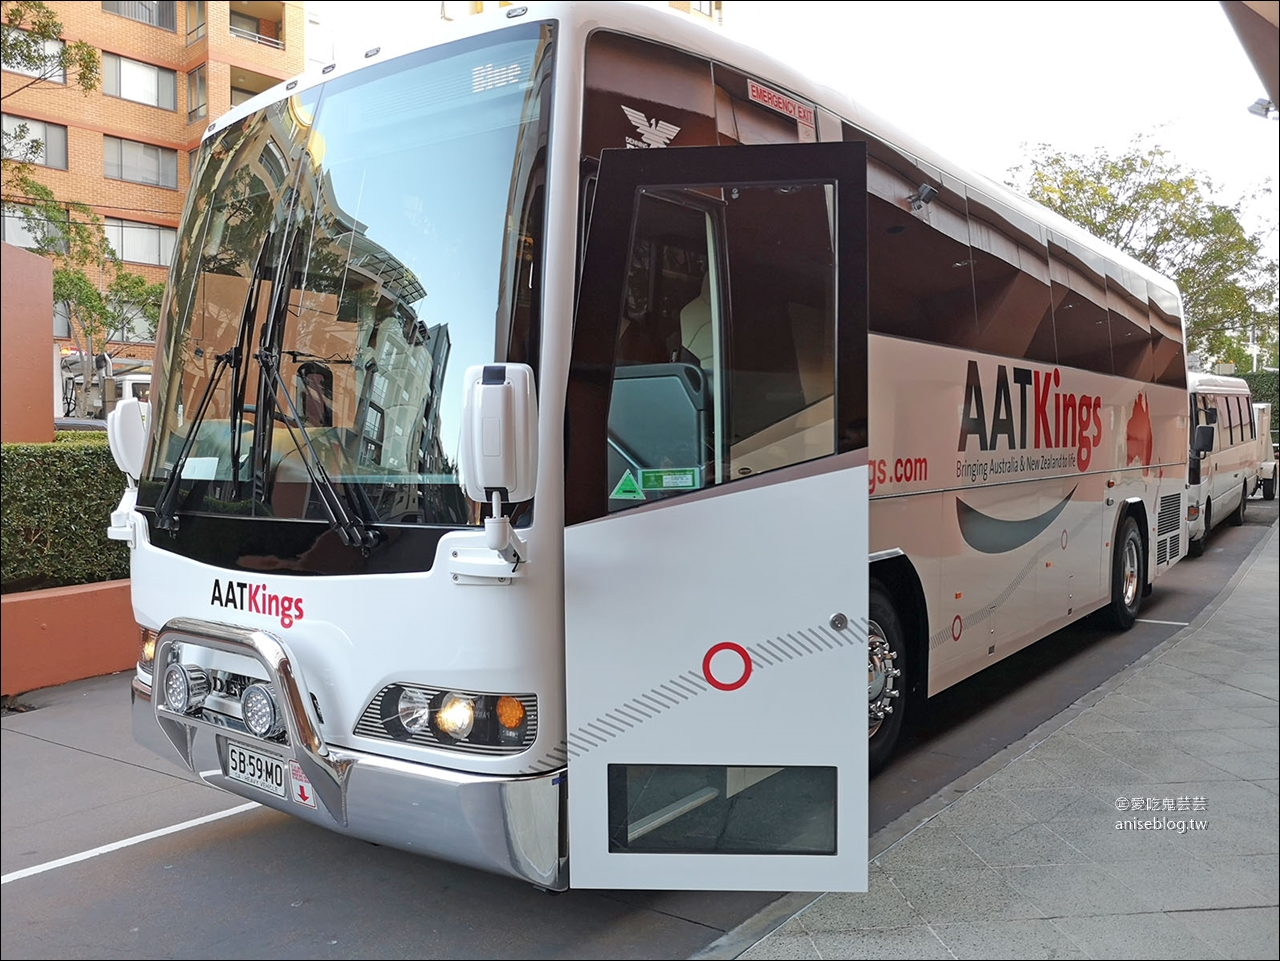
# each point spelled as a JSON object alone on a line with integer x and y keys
{"x": 1136, "y": 508}
{"x": 897, "y": 575}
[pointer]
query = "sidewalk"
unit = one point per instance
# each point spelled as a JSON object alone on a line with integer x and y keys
{"x": 1145, "y": 826}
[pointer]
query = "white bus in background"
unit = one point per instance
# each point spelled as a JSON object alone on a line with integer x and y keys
{"x": 1224, "y": 469}
{"x": 1267, "y": 466}
{"x": 706, "y": 309}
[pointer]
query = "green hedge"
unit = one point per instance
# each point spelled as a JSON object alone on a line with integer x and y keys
{"x": 55, "y": 504}
{"x": 80, "y": 437}
{"x": 1263, "y": 385}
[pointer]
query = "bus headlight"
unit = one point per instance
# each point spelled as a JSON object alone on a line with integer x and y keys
{"x": 260, "y": 712}
{"x": 456, "y": 716}
{"x": 185, "y": 688}
{"x": 413, "y": 708}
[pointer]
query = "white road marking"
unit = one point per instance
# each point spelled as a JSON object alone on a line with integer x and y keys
{"x": 1147, "y": 620}
{"x": 127, "y": 842}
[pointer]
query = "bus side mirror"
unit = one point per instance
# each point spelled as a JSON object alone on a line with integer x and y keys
{"x": 1203, "y": 442}
{"x": 127, "y": 436}
{"x": 499, "y": 447}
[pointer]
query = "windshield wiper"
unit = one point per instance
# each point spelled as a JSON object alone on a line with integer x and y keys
{"x": 166, "y": 503}
{"x": 351, "y": 526}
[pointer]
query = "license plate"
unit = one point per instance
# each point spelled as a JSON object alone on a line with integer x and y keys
{"x": 262, "y": 771}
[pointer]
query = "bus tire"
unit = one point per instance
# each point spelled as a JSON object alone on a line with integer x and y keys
{"x": 1269, "y": 488}
{"x": 1237, "y": 515}
{"x": 887, "y": 677}
{"x": 1128, "y": 571}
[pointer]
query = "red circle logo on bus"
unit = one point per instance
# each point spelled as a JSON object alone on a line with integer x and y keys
{"x": 957, "y": 628}
{"x": 730, "y": 685}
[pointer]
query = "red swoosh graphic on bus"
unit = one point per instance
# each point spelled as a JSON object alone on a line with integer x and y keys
{"x": 991, "y": 535}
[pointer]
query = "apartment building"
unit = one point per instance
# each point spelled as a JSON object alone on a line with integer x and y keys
{"x": 127, "y": 149}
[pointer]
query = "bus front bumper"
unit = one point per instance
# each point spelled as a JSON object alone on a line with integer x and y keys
{"x": 501, "y": 824}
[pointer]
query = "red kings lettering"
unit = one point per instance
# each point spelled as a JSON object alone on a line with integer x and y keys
{"x": 256, "y": 599}
{"x": 1042, "y": 417}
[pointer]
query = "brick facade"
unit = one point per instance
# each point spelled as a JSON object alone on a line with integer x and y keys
{"x": 229, "y": 60}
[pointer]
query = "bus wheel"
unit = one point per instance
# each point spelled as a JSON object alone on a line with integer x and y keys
{"x": 1237, "y": 515}
{"x": 1127, "y": 570}
{"x": 1269, "y": 488}
{"x": 886, "y": 678}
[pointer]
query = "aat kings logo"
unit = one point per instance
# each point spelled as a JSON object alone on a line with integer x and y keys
{"x": 1050, "y": 419}
{"x": 256, "y": 599}
{"x": 653, "y": 133}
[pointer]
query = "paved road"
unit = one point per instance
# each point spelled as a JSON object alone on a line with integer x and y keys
{"x": 259, "y": 884}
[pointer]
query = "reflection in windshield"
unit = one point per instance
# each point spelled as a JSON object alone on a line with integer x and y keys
{"x": 368, "y": 240}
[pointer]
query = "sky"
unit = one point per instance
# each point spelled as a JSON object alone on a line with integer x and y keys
{"x": 979, "y": 82}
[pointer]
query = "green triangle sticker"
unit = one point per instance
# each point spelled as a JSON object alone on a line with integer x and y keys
{"x": 627, "y": 489}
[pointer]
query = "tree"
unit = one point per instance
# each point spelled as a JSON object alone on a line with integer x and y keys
{"x": 103, "y": 299}
{"x": 1165, "y": 216}
{"x": 30, "y": 43}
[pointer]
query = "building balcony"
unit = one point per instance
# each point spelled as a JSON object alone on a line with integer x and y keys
{"x": 259, "y": 22}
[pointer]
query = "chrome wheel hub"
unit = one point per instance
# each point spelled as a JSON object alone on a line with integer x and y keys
{"x": 882, "y": 675}
{"x": 1129, "y": 586}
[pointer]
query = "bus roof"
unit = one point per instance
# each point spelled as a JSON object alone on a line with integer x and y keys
{"x": 1218, "y": 383}
{"x": 665, "y": 27}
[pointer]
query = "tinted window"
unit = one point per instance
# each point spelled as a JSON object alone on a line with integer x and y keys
{"x": 1080, "y": 320}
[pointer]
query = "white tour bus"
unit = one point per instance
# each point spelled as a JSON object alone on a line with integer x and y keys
{"x": 493, "y": 449}
{"x": 1224, "y": 466}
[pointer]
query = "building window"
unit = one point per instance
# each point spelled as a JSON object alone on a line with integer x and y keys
{"x": 239, "y": 96}
{"x": 61, "y": 319}
{"x": 139, "y": 82}
{"x": 140, "y": 243}
{"x": 21, "y": 232}
{"x": 41, "y": 143}
{"x": 139, "y": 163}
{"x": 702, "y": 8}
{"x": 197, "y": 94}
{"x": 197, "y": 20}
{"x": 50, "y": 66}
{"x": 158, "y": 13}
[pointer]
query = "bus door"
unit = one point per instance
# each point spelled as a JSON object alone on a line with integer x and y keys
{"x": 716, "y": 522}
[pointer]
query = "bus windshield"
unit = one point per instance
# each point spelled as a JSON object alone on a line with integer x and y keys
{"x": 346, "y": 253}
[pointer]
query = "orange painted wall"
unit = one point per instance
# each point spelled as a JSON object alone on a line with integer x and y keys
{"x": 26, "y": 325}
{"x": 65, "y": 634}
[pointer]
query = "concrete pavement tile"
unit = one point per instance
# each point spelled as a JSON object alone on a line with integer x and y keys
{"x": 1046, "y": 804}
{"x": 1028, "y": 844}
{"x": 1266, "y": 738}
{"x": 1135, "y": 936}
{"x": 1236, "y": 698}
{"x": 1182, "y": 884}
{"x": 1067, "y": 890}
{"x": 876, "y": 943}
{"x": 1249, "y": 765}
{"x": 1260, "y": 872}
{"x": 985, "y": 808}
{"x": 1026, "y": 772}
{"x": 1242, "y": 933}
{"x": 1031, "y": 938}
{"x": 882, "y": 906}
{"x": 962, "y": 895}
{"x": 1118, "y": 704}
{"x": 1093, "y": 722}
{"x": 1205, "y": 744}
{"x": 1192, "y": 719}
{"x": 1100, "y": 840}
{"x": 1259, "y": 682}
{"x": 1263, "y": 713}
{"x": 1271, "y": 784}
{"x": 932, "y": 845}
{"x": 782, "y": 947}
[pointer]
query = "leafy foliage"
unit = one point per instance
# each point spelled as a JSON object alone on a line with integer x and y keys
{"x": 28, "y": 26}
{"x": 1264, "y": 385}
{"x": 1165, "y": 216}
{"x": 55, "y": 504}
